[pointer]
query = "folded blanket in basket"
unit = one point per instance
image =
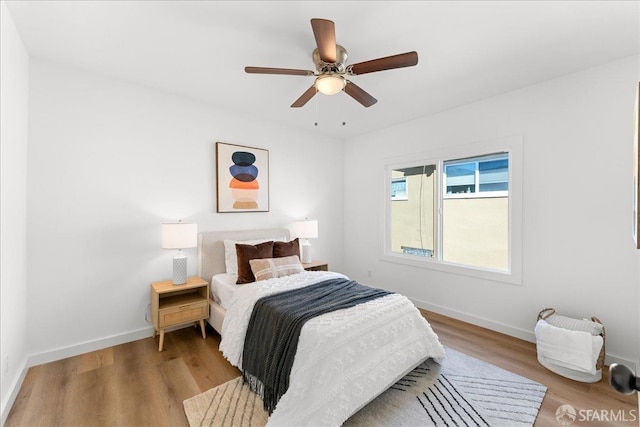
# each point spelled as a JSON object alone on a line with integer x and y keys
{"x": 577, "y": 350}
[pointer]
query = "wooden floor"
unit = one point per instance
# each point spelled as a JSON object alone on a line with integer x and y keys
{"x": 135, "y": 385}
{"x": 519, "y": 357}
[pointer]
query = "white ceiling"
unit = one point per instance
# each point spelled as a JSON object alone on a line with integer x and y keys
{"x": 468, "y": 50}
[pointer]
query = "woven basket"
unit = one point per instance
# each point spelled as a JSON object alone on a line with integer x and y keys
{"x": 547, "y": 312}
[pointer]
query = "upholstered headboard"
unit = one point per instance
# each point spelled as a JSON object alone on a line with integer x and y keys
{"x": 211, "y": 247}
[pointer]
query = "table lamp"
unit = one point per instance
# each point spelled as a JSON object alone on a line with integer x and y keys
{"x": 306, "y": 229}
{"x": 179, "y": 236}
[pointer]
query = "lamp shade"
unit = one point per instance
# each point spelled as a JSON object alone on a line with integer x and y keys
{"x": 179, "y": 236}
{"x": 307, "y": 229}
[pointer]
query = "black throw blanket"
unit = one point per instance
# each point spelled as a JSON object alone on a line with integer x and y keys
{"x": 274, "y": 329}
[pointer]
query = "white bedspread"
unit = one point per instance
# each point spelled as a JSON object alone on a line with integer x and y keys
{"x": 223, "y": 286}
{"x": 344, "y": 358}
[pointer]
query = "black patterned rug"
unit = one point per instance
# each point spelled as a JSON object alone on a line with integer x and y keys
{"x": 462, "y": 391}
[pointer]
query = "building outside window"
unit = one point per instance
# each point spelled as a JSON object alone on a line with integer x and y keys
{"x": 399, "y": 188}
{"x": 481, "y": 176}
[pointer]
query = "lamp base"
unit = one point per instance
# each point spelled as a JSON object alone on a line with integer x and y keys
{"x": 305, "y": 251}
{"x": 180, "y": 270}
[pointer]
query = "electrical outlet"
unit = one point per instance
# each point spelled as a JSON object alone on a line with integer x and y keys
{"x": 369, "y": 273}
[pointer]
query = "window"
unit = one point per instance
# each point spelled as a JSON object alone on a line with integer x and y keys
{"x": 463, "y": 213}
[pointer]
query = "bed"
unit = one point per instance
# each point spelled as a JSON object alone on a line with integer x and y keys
{"x": 344, "y": 359}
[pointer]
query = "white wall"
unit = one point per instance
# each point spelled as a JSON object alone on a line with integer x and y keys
{"x": 578, "y": 253}
{"x": 14, "y": 95}
{"x": 108, "y": 163}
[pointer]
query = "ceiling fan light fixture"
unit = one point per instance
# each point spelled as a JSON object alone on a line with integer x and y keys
{"x": 330, "y": 84}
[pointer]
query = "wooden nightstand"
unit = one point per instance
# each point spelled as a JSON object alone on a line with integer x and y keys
{"x": 316, "y": 265}
{"x": 173, "y": 305}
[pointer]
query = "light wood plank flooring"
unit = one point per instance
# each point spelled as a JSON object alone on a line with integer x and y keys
{"x": 135, "y": 385}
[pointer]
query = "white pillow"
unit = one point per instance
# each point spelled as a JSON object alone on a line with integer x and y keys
{"x": 230, "y": 256}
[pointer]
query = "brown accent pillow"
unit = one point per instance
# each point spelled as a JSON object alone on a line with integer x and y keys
{"x": 249, "y": 252}
{"x": 283, "y": 249}
{"x": 269, "y": 268}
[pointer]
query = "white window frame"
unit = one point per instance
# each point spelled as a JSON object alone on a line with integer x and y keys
{"x": 511, "y": 145}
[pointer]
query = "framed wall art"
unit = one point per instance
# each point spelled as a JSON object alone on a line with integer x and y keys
{"x": 242, "y": 178}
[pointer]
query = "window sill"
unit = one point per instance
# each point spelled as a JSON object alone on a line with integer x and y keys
{"x": 512, "y": 277}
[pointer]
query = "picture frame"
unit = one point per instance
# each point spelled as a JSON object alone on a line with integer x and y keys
{"x": 242, "y": 178}
{"x": 636, "y": 174}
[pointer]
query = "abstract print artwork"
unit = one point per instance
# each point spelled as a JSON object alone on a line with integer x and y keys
{"x": 243, "y": 178}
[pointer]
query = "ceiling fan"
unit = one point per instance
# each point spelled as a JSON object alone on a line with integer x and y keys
{"x": 330, "y": 61}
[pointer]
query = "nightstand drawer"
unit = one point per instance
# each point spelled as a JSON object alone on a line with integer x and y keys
{"x": 183, "y": 314}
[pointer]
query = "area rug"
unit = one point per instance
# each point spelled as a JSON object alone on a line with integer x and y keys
{"x": 460, "y": 391}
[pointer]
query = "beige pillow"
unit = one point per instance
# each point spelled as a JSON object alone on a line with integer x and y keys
{"x": 269, "y": 268}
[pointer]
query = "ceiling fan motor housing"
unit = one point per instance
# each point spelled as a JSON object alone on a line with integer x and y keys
{"x": 331, "y": 67}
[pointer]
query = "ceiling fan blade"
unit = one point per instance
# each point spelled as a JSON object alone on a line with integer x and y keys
{"x": 287, "y": 71}
{"x": 402, "y": 60}
{"x": 310, "y": 93}
{"x": 359, "y": 94}
{"x": 325, "y": 34}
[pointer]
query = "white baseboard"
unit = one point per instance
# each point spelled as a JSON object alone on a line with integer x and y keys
{"x": 87, "y": 346}
{"x": 7, "y": 403}
{"x": 523, "y": 334}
